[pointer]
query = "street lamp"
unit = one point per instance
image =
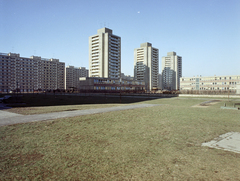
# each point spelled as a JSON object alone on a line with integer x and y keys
{"x": 120, "y": 89}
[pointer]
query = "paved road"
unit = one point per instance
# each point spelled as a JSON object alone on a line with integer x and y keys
{"x": 7, "y": 118}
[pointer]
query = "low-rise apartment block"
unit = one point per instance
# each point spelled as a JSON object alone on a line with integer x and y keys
{"x": 212, "y": 83}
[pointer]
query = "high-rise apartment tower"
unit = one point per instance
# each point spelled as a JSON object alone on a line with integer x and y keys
{"x": 105, "y": 54}
{"x": 146, "y": 65}
{"x": 171, "y": 71}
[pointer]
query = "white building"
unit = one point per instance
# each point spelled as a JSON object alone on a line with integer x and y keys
{"x": 104, "y": 54}
{"x": 171, "y": 71}
{"x": 146, "y": 65}
{"x": 210, "y": 84}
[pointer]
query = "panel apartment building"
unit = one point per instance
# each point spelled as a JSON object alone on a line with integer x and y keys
{"x": 146, "y": 65}
{"x": 28, "y": 74}
{"x": 209, "y": 84}
{"x": 73, "y": 74}
{"x": 171, "y": 71}
{"x": 104, "y": 54}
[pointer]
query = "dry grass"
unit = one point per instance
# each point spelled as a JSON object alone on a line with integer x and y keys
{"x": 157, "y": 143}
{"x": 49, "y": 109}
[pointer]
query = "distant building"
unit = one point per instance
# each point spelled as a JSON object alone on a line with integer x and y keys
{"x": 146, "y": 65}
{"x": 109, "y": 84}
{"x": 28, "y": 74}
{"x": 73, "y": 74}
{"x": 104, "y": 54}
{"x": 211, "y": 83}
{"x": 159, "y": 81}
{"x": 171, "y": 71}
{"x": 126, "y": 77}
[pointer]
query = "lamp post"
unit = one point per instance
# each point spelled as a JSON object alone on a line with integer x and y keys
{"x": 120, "y": 89}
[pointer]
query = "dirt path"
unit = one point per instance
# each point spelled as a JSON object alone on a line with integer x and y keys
{"x": 7, "y": 118}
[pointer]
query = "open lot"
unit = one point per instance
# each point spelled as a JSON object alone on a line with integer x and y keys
{"x": 156, "y": 143}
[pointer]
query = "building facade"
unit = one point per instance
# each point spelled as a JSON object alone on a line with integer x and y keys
{"x": 29, "y": 74}
{"x": 238, "y": 89}
{"x": 209, "y": 84}
{"x": 160, "y": 81}
{"x": 146, "y": 65}
{"x": 171, "y": 71}
{"x": 73, "y": 74}
{"x": 104, "y": 54}
{"x": 109, "y": 84}
{"x": 126, "y": 77}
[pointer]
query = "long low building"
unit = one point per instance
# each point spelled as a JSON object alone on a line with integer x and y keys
{"x": 109, "y": 84}
{"x": 212, "y": 83}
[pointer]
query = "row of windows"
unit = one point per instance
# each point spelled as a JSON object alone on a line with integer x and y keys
{"x": 208, "y": 79}
{"x": 112, "y": 88}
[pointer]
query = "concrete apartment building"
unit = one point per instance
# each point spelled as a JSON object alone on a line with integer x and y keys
{"x": 146, "y": 65}
{"x": 104, "y": 54}
{"x": 28, "y": 74}
{"x": 211, "y": 83}
{"x": 171, "y": 71}
{"x": 51, "y": 73}
{"x": 73, "y": 74}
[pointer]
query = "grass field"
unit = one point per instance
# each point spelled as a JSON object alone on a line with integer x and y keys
{"x": 157, "y": 143}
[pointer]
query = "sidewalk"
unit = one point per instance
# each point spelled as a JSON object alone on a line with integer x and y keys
{"x": 7, "y": 118}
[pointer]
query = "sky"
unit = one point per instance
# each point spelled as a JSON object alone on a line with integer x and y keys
{"x": 205, "y": 33}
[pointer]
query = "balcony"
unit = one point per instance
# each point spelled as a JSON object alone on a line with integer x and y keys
{"x": 94, "y": 58}
{"x": 95, "y": 48}
{"x": 116, "y": 49}
{"x": 96, "y": 41}
{"x": 95, "y": 61}
{"x": 94, "y": 68}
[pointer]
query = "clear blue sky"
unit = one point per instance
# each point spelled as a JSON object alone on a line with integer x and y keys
{"x": 206, "y": 33}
